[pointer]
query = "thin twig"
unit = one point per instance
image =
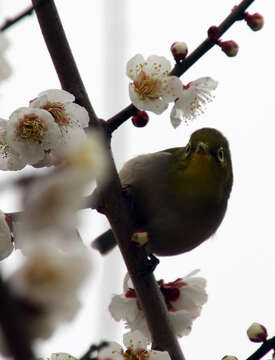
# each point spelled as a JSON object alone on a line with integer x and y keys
{"x": 182, "y": 67}
{"x": 263, "y": 349}
{"x": 9, "y": 22}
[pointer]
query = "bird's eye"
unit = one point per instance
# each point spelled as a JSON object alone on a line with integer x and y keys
{"x": 220, "y": 154}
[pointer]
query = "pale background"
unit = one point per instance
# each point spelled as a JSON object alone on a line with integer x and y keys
{"x": 238, "y": 262}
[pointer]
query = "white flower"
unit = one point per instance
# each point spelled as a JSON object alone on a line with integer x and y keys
{"x": 136, "y": 348}
{"x": 9, "y": 159}
{"x": 5, "y": 69}
{"x": 192, "y": 100}
{"x": 31, "y": 133}
{"x": 6, "y": 245}
{"x": 60, "y": 104}
{"x": 49, "y": 276}
{"x": 152, "y": 87}
{"x": 184, "y": 298}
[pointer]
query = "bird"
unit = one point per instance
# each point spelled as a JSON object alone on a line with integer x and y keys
{"x": 179, "y": 195}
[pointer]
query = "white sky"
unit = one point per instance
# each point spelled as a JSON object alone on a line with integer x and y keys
{"x": 238, "y": 262}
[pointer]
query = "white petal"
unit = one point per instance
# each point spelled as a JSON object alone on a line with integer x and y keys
{"x": 205, "y": 82}
{"x": 122, "y": 308}
{"x": 157, "y": 65}
{"x": 78, "y": 115}
{"x": 176, "y": 116}
{"x": 181, "y": 322}
{"x": 133, "y": 66}
{"x": 58, "y": 95}
{"x": 135, "y": 339}
{"x": 172, "y": 89}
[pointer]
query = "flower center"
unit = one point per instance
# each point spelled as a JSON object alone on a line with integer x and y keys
{"x": 147, "y": 87}
{"x": 31, "y": 128}
{"x": 40, "y": 272}
{"x": 58, "y": 112}
{"x": 131, "y": 354}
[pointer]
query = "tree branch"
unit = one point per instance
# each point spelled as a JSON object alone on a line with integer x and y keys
{"x": 263, "y": 349}
{"x": 182, "y": 67}
{"x": 61, "y": 54}
{"x": 14, "y": 326}
{"x": 115, "y": 206}
{"x": 9, "y": 22}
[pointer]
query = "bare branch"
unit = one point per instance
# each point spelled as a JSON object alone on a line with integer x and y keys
{"x": 263, "y": 349}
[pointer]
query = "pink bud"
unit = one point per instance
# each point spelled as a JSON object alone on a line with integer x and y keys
{"x": 140, "y": 119}
{"x": 213, "y": 33}
{"x": 257, "y": 332}
{"x": 179, "y": 51}
{"x": 230, "y": 47}
{"x": 140, "y": 237}
{"x": 255, "y": 21}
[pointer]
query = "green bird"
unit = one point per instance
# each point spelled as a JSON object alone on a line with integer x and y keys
{"x": 179, "y": 195}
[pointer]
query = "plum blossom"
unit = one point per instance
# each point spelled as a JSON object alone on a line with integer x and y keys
{"x": 32, "y": 133}
{"x": 6, "y": 237}
{"x": 9, "y": 158}
{"x": 70, "y": 117}
{"x": 136, "y": 348}
{"x": 5, "y": 69}
{"x": 192, "y": 100}
{"x": 184, "y": 298}
{"x": 47, "y": 284}
{"x": 152, "y": 88}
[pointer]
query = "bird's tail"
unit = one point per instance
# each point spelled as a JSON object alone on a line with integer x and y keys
{"x": 104, "y": 242}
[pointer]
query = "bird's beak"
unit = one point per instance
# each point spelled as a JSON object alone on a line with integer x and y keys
{"x": 202, "y": 148}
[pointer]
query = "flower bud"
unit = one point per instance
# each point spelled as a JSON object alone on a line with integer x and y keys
{"x": 179, "y": 51}
{"x": 140, "y": 238}
{"x": 254, "y": 21}
{"x": 230, "y": 47}
{"x": 213, "y": 33}
{"x": 140, "y": 119}
{"x": 257, "y": 332}
{"x": 229, "y": 357}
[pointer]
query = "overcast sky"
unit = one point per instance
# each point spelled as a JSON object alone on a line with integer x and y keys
{"x": 238, "y": 262}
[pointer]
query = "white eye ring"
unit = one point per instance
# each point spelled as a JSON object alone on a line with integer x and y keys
{"x": 220, "y": 154}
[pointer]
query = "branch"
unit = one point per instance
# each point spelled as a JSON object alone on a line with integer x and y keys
{"x": 263, "y": 349}
{"x": 61, "y": 54}
{"x": 9, "y": 22}
{"x": 14, "y": 326}
{"x": 115, "y": 207}
{"x": 190, "y": 60}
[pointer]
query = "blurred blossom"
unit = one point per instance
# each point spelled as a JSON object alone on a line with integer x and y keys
{"x": 152, "y": 87}
{"x": 136, "y": 348}
{"x": 192, "y": 100}
{"x": 46, "y": 284}
{"x": 6, "y": 239}
{"x": 5, "y": 69}
{"x": 184, "y": 298}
